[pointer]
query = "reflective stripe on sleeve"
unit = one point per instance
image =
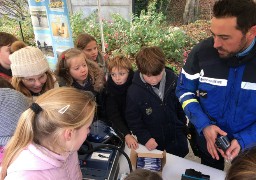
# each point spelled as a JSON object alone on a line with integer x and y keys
{"x": 185, "y": 103}
{"x": 190, "y": 76}
{"x": 185, "y": 94}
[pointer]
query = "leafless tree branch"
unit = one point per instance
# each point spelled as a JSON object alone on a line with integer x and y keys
{"x": 14, "y": 8}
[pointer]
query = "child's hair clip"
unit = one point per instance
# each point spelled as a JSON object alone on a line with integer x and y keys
{"x": 64, "y": 109}
{"x": 63, "y": 56}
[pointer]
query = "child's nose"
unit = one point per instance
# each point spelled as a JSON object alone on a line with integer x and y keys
{"x": 37, "y": 82}
{"x": 95, "y": 51}
{"x": 154, "y": 79}
{"x": 118, "y": 76}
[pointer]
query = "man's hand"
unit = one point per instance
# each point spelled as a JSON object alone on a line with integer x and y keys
{"x": 232, "y": 151}
{"x": 210, "y": 133}
{"x": 151, "y": 144}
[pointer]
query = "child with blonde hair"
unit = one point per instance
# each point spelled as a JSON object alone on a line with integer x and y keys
{"x": 73, "y": 69}
{"x": 48, "y": 135}
{"x": 119, "y": 80}
{"x": 243, "y": 167}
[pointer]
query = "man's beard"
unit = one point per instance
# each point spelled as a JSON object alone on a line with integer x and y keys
{"x": 227, "y": 55}
{"x": 241, "y": 48}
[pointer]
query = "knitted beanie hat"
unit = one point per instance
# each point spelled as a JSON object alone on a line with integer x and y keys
{"x": 28, "y": 61}
{"x": 12, "y": 104}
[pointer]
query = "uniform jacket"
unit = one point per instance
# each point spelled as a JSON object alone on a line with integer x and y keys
{"x": 116, "y": 104}
{"x": 32, "y": 164}
{"x": 220, "y": 91}
{"x": 150, "y": 117}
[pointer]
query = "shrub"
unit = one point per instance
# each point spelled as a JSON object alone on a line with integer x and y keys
{"x": 122, "y": 36}
{"x": 79, "y": 25}
{"x": 12, "y": 26}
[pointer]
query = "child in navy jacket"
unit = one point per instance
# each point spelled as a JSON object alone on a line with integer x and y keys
{"x": 119, "y": 80}
{"x": 153, "y": 112}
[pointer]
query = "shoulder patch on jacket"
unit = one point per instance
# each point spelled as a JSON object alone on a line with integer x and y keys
{"x": 203, "y": 93}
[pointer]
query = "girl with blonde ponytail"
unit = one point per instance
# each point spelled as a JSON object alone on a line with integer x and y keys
{"x": 48, "y": 135}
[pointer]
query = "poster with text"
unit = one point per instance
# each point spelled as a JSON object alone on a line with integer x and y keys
{"x": 51, "y": 26}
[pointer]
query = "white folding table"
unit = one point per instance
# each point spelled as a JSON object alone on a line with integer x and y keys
{"x": 174, "y": 167}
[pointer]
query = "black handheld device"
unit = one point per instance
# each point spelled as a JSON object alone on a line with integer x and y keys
{"x": 222, "y": 142}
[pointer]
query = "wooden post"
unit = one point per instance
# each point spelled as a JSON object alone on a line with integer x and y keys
{"x": 101, "y": 28}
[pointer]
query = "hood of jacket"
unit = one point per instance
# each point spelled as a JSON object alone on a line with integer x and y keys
{"x": 37, "y": 162}
{"x": 37, "y": 159}
{"x": 97, "y": 75}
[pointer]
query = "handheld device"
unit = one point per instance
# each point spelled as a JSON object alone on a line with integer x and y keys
{"x": 191, "y": 174}
{"x": 222, "y": 142}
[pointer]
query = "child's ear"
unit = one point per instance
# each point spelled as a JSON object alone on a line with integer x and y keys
{"x": 252, "y": 31}
{"x": 68, "y": 134}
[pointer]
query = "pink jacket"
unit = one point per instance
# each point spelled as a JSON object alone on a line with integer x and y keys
{"x": 36, "y": 162}
{"x": 1, "y": 154}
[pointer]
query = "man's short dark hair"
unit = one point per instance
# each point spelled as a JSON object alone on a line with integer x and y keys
{"x": 243, "y": 10}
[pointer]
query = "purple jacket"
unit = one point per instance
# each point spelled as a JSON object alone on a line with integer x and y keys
{"x": 37, "y": 162}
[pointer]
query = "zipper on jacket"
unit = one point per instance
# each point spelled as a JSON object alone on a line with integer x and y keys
{"x": 163, "y": 135}
{"x": 65, "y": 167}
{"x": 168, "y": 89}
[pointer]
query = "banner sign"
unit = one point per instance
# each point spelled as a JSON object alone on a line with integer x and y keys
{"x": 51, "y": 26}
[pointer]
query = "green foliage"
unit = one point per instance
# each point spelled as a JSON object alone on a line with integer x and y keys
{"x": 12, "y": 26}
{"x": 161, "y": 6}
{"x": 78, "y": 24}
{"x": 122, "y": 36}
{"x": 173, "y": 68}
{"x": 15, "y": 14}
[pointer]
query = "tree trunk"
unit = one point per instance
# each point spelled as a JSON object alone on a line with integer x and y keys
{"x": 191, "y": 11}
